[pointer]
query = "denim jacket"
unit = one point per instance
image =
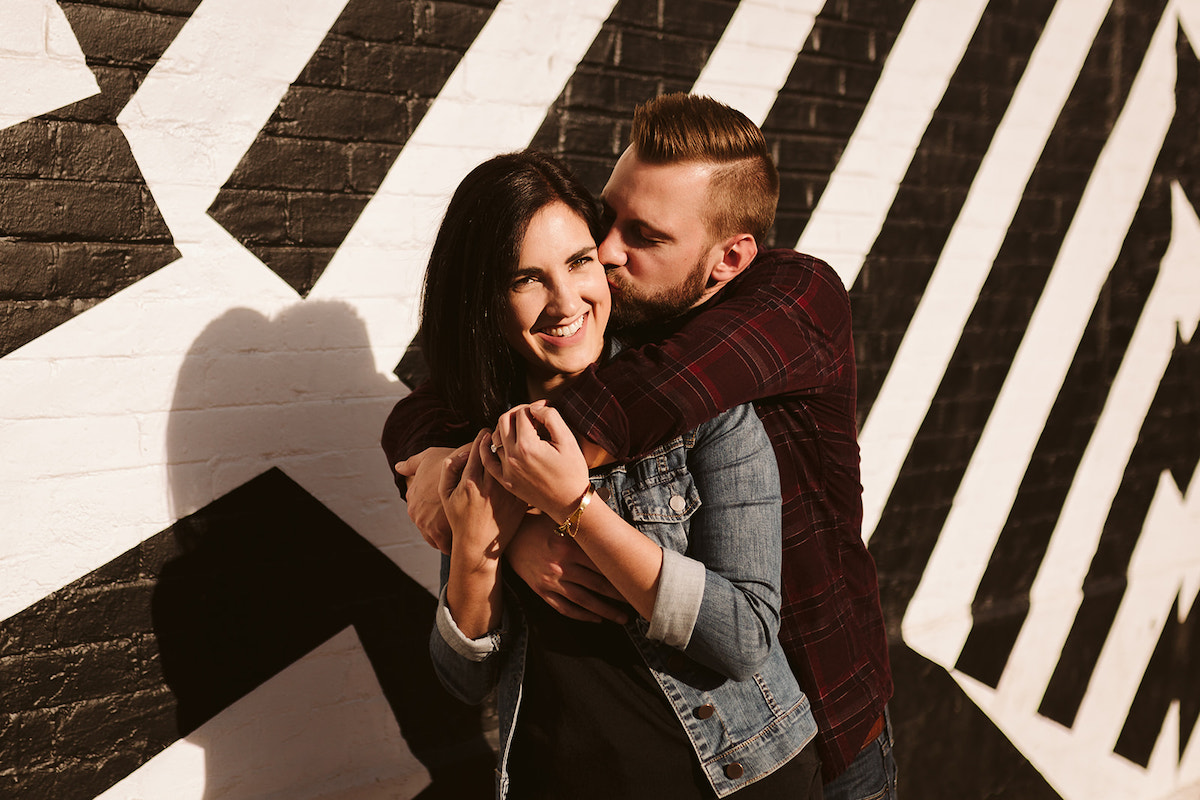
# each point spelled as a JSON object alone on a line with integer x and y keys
{"x": 710, "y": 499}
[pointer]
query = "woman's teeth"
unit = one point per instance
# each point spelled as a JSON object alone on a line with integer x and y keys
{"x": 566, "y": 330}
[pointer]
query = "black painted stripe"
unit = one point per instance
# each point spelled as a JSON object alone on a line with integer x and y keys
{"x": 1001, "y": 602}
{"x": 313, "y": 168}
{"x": 104, "y": 674}
{"x": 1169, "y": 441}
{"x": 1170, "y": 676}
{"x": 78, "y": 223}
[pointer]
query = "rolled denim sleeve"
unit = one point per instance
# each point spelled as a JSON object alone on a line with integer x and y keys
{"x": 680, "y": 594}
{"x": 736, "y": 535}
{"x": 470, "y": 649}
{"x": 468, "y": 668}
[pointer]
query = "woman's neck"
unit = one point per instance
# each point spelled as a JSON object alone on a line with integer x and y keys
{"x": 545, "y": 388}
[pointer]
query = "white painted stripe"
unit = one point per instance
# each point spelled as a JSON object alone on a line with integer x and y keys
{"x": 119, "y": 369}
{"x": 939, "y": 617}
{"x": 319, "y": 729}
{"x": 854, "y": 205}
{"x": 1079, "y": 762}
{"x": 756, "y": 53}
{"x": 72, "y": 503}
{"x": 1165, "y": 567}
{"x": 1171, "y": 309}
{"x": 966, "y": 260}
{"x": 41, "y": 65}
{"x": 203, "y": 105}
{"x": 493, "y": 102}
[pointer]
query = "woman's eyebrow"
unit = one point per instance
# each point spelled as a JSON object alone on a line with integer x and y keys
{"x": 526, "y": 272}
{"x": 580, "y": 253}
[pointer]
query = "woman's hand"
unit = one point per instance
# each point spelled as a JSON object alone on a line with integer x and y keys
{"x": 483, "y": 515}
{"x": 535, "y": 456}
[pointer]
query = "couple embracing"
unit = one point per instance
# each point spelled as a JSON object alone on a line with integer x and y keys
{"x": 637, "y": 453}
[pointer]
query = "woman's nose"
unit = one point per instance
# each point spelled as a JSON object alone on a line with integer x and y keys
{"x": 564, "y": 299}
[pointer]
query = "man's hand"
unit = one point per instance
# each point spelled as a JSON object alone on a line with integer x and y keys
{"x": 560, "y": 573}
{"x": 423, "y": 471}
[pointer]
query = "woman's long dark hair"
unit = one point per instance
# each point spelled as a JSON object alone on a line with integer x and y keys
{"x": 465, "y": 298}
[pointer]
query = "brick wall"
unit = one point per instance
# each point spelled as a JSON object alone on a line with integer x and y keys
{"x": 213, "y": 224}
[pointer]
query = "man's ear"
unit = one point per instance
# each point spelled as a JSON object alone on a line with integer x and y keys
{"x": 737, "y": 253}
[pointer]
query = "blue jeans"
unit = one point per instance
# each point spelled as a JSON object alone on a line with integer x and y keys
{"x": 871, "y": 775}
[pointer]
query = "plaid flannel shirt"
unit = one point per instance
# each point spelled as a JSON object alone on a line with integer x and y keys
{"x": 779, "y": 335}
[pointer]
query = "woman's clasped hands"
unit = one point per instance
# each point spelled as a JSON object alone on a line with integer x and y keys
{"x": 534, "y": 454}
{"x": 478, "y": 507}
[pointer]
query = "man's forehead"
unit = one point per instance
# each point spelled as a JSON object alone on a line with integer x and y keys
{"x": 635, "y": 183}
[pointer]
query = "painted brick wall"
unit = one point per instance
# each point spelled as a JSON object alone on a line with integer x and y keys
{"x": 214, "y": 217}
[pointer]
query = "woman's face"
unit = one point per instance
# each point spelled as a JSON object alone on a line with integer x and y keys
{"x": 558, "y": 297}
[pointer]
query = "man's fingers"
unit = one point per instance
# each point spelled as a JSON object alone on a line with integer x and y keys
{"x": 591, "y": 580}
{"x": 409, "y": 466}
{"x": 588, "y": 601}
{"x": 568, "y": 609}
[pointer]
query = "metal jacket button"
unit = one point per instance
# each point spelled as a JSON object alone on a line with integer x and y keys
{"x": 678, "y": 504}
{"x": 604, "y": 493}
{"x": 734, "y": 771}
{"x": 705, "y": 711}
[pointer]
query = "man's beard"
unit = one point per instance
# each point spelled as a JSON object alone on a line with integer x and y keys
{"x": 630, "y": 310}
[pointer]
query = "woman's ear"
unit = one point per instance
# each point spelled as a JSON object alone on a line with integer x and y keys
{"x": 738, "y": 251}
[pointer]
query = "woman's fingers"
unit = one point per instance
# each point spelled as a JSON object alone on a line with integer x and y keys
{"x": 473, "y": 471}
{"x": 452, "y": 468}
{"x": 525, "y": 435}
{"x": 552, "y": 422}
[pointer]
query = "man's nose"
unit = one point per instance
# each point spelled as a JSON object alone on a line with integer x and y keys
{"x": 611, "y": 251}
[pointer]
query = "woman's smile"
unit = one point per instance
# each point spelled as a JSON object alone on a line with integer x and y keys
{"x": 566, "y": 330}
{"x": 558, "y": 301}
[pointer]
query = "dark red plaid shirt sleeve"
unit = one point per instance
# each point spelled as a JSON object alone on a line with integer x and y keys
{"x": 419, "y": 421}
{"x": 779, "y": 336}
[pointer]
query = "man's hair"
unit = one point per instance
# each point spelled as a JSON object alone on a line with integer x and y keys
{"x": 744, "y": 189}
{"x": 465, "y": 300}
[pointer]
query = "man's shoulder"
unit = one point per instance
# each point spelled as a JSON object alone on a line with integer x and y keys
{"x": 784, "y": 260}
{"x": 788, "y": 273}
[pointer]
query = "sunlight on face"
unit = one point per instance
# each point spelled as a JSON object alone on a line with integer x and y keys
{"x": 558, "y": 299}
{"x": 658, "y": 251}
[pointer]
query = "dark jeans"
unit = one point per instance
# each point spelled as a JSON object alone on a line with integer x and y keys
{"x": 871, "y": 775}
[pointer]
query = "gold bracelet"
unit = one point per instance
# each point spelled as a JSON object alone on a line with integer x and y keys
{"x": 570, "y": 525}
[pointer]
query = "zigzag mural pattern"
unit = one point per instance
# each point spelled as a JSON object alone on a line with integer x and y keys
{"x": 1020, "y": 532}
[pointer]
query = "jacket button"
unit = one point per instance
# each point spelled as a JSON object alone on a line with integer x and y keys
{"x": 734, "y": 771}
{"x": 705, "y": 711}
{"x": 678, "y": 504}
{"x": 604, "y": 493}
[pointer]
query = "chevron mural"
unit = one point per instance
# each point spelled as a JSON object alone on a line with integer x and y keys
{"x": 214, "y": 220}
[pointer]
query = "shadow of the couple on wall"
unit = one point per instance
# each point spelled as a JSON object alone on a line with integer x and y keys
{"x": 253, "y": 581}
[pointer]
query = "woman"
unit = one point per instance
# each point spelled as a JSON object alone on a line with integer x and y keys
{"x": 691, "y": 698}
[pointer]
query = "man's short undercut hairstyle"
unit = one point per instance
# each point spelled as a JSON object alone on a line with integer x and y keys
{"x": 744, "y": 190}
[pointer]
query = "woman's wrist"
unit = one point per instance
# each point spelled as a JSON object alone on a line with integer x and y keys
{"x": 567, "y": 522}
{"x": 475, "y": 557}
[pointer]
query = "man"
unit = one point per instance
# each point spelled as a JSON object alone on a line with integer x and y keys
{"x": 712, "y": 323}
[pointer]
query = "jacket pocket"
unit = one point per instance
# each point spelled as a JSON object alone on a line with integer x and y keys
{"x": 661, "y": 507}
